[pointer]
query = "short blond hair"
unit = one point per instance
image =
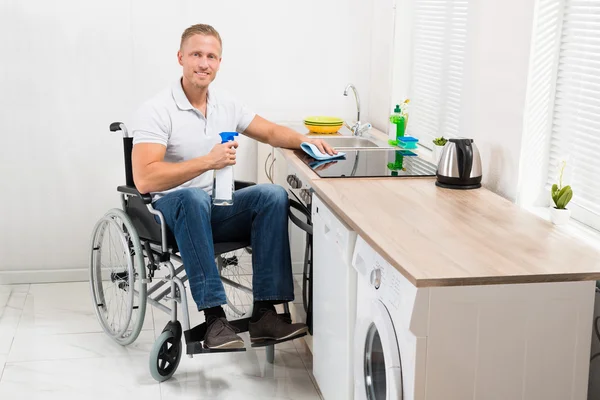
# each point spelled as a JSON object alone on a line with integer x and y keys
{"x": 200, "y": 29}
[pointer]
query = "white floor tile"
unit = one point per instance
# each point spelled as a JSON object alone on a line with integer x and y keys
{"x": 2, "y": 362}
{"x": 304, "y": 352}
{"x": 34, "y": 346}
{"x": 90, "y": 379}
{"x": 54, "y": 348}
{"x": 63, "y": 308}
{"x": 252, "y": 362}
{"x": 307, "y": 359}
{"x": 13, "y": 298}
{"x": 20, "y": 288}
{"x": 4, "y": 294}
{"x": 215, "y": 386}
{"x": 241, "y": 375}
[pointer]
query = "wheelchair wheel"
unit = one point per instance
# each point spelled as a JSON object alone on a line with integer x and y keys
{"x": 236, "y": 268}
{"x": 165, "y": 356}
{"x": 117, "y": 277}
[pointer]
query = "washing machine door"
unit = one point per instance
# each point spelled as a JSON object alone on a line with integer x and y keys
{"x": 377, "y": 367}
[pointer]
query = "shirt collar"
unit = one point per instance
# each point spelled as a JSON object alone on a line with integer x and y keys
{"x": 182, "y": 101}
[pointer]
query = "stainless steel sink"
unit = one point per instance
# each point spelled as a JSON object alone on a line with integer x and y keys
{"x": 354, "y": 142}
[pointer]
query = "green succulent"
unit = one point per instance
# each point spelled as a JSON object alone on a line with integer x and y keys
{"x": 561, "y": 195}
{"x": 440, "y": 141}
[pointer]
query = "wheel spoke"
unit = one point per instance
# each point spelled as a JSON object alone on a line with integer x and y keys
{"x": 115, "y": 256}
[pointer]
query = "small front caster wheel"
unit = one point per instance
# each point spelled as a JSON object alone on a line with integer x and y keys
{"x": 165, "y": 356}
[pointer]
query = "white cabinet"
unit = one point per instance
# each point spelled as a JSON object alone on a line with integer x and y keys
{"x": 272, "y": 168}
{"x": 264, "y": 163}
{"x": 334, "y": 303}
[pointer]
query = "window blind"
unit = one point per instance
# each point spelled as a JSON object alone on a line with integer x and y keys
{"x": 440, "y": 38}
{"x": 575, "y": 132}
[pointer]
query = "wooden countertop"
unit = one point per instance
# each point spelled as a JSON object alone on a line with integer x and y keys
{"x": 445, "y": 237}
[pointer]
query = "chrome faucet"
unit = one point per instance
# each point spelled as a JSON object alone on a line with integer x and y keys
{"x": 357, "y": 129}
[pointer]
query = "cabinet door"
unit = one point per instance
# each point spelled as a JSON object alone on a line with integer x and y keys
{"x": 264, "y": 162}
{"x": 278, "y": 170}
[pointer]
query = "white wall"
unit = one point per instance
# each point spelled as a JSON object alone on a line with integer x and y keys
{"x": 493, "y": 97}
{"x": 382, "y": 64}
{"x": 495, "y": 82}
{"x": 69, "y": 68}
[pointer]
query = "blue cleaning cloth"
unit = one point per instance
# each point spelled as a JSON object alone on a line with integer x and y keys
{"x": 315, "y": 153}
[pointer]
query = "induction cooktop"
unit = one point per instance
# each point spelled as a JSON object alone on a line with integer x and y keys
{"x": 371, "y": 163}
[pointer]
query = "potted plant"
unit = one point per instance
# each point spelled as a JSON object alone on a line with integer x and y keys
{"x": 561, "y": 195}
{"x": 438, "y": 146}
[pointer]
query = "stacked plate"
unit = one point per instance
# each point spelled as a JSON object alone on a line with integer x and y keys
{"x": 323, "y": 125}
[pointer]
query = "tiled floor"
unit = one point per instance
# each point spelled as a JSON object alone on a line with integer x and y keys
{"x": 52, "y": 347}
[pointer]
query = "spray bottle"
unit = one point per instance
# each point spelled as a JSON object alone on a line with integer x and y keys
{"x": 223, "y": 183}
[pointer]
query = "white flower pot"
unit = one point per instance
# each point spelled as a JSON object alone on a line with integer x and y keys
{"x": 559, "y": 216}
{"x": 437, "y": 154}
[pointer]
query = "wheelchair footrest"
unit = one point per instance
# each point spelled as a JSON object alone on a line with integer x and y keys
{"x": 265, "y": 343}
{"x": 198, "y": 348}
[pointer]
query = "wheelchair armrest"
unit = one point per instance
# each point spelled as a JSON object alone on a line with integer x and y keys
{"x": 146, "y": 198}
{"x": 242, "y": 184}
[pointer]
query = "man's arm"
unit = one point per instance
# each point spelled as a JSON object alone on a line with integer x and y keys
{"x": 152, "y": 174}
{"x": 281, "y": 136}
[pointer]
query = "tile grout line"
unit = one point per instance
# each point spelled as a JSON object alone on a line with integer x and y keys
{"x": 310, "y": 374}
{"x": 12, "y": 340}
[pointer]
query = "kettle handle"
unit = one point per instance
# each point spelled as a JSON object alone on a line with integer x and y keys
{"x": 465, "y": 158}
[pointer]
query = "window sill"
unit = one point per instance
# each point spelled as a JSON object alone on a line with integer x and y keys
{"x": 575, "y": 229}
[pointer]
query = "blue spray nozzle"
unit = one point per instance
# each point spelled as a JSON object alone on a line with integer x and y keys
{"x": 227, "y": 136}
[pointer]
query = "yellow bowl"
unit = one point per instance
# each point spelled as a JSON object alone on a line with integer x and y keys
{"x": 323, "y": 129}
{"x": 321, "y": 119}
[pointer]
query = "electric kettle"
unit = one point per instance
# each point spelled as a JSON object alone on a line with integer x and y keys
{"x": 460, "y": 165}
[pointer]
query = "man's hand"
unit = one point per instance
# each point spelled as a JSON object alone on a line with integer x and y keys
{"x": 223, "y": 155}
{"x": 281, "y": 136}
{"x": 323, "y": 146}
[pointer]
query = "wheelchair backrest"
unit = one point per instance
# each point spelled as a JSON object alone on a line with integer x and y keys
{"x": 127, "y": 149}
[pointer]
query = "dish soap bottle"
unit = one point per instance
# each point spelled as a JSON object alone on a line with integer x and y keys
{"x": 399, "y": 119}
{"x": 223, "y": 183}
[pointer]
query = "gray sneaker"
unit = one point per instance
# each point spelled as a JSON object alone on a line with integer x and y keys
{"x": 221, "y": 335}
{"x": 274, "y": 327}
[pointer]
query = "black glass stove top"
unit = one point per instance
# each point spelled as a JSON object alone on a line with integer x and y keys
{"x": 371, "y": 163}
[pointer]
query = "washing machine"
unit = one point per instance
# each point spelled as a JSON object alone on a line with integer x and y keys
{"x": 390, "y": 342}
{"x": 526, "y": 341}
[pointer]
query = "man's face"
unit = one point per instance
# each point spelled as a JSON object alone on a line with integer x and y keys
{"x": 200, "y": 57}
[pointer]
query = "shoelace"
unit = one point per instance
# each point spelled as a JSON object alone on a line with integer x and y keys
{"x": 280, "y": 317}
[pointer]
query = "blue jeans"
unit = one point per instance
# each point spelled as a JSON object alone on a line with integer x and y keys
{"x": 259, "y": 213}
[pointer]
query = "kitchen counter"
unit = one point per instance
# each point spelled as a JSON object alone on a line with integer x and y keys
{"x": 444, "y": 237}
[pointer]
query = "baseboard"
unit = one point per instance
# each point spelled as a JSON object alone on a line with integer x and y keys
{"x": 44, "y": 276}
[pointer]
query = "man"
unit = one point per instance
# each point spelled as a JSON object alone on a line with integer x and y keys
{"x": 176, "y": 148}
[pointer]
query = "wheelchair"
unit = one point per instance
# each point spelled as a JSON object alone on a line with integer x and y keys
{"x": 128, "y": 246}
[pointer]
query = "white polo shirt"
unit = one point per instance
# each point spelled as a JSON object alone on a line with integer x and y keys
{"x": 169, "y": 119}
